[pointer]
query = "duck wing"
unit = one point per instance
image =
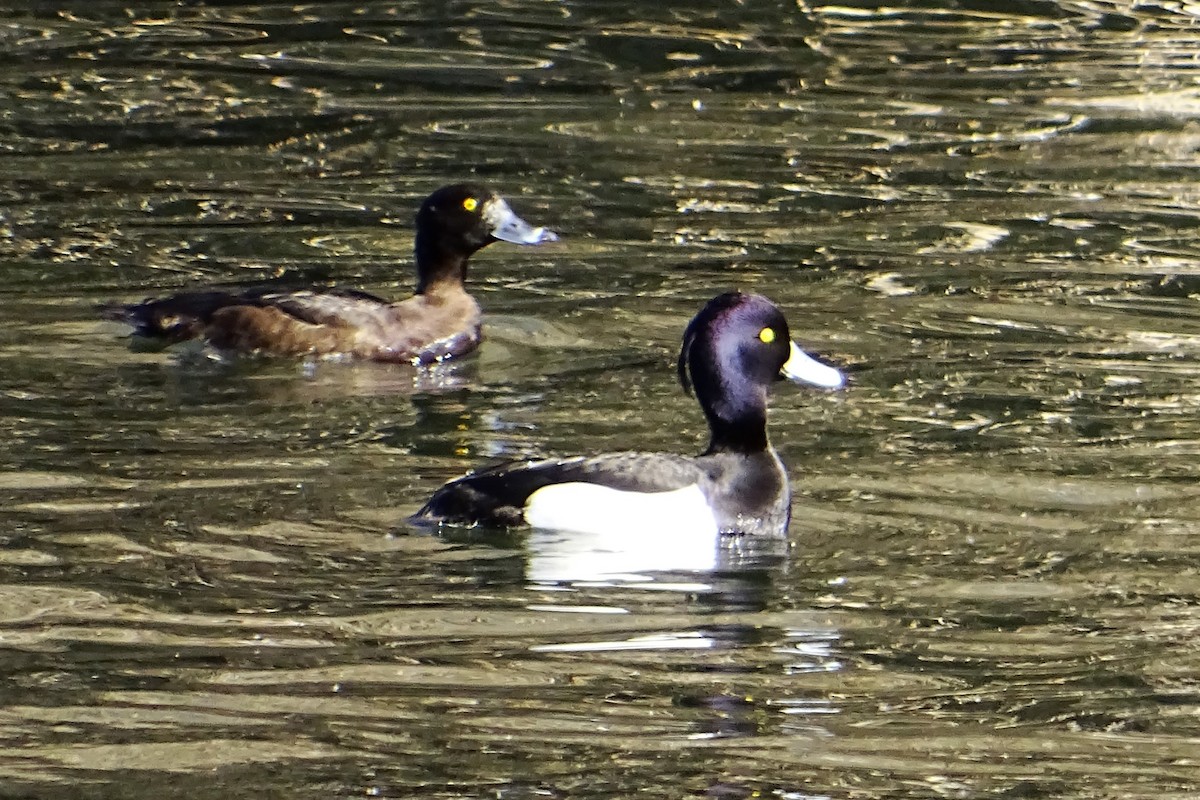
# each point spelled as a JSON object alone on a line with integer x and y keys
{"x": 322, "y": 306}
{"x": 496, "y": 497}
{"x": 187, "y": 315}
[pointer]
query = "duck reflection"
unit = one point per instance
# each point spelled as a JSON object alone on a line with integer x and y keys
{"x": 631, "y": 555}
{"x": 665, "y": 556}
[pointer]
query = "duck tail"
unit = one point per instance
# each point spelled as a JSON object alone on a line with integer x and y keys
{"x": 117, "y": 312}
{"x": 172, "y": 318}
{"x": 139, "y": 316}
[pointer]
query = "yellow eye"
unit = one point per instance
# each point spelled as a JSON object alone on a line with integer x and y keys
{"x": 766, "y": 335}
{"x": 470, "y": 204}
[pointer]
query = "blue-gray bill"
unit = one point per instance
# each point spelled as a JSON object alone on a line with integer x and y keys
{"x": 506, "y": 226}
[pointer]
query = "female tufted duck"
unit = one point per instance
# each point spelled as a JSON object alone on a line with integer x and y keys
{"x": 439, "y": 321}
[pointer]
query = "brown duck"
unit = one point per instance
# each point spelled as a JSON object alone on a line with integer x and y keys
{"x": 439, "y": 321}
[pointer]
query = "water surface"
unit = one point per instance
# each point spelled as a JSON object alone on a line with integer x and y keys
{"x": 985, "y": 212}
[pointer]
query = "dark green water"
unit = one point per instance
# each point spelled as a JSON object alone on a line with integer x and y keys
{"x": 987, "y": 212}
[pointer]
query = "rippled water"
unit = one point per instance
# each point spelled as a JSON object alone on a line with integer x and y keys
{"x": 986, "y": 211}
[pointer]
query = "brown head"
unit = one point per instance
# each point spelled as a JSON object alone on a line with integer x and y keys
{"x": 455, "y": 221}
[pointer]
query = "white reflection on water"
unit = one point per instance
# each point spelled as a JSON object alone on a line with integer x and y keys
{"x": 687, "y": 640}
{"x": 556, "y": 556}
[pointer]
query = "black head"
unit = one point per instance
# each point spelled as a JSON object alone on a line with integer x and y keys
{"x": 455, "y": 221}
{"x": 733, "y": 350}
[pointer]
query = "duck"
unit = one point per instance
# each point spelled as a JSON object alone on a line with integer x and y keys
{"x": 733, "y": 350}
{"x": 438, "y": 322}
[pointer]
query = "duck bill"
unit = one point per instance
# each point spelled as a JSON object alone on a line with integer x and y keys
{"x": 803, "y": 368}
{"x": 506, "y": 226}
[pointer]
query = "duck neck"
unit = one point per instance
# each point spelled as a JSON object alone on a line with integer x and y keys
{"x": 438, "y": 266}
{"x": 745, "y": 433}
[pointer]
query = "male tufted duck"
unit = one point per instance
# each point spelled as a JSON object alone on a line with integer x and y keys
{"x": 732, "y": 351}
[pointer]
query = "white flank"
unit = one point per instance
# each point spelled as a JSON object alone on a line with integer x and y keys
{"x": 803, "y": 368}
{"x": 586, "y": 532}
